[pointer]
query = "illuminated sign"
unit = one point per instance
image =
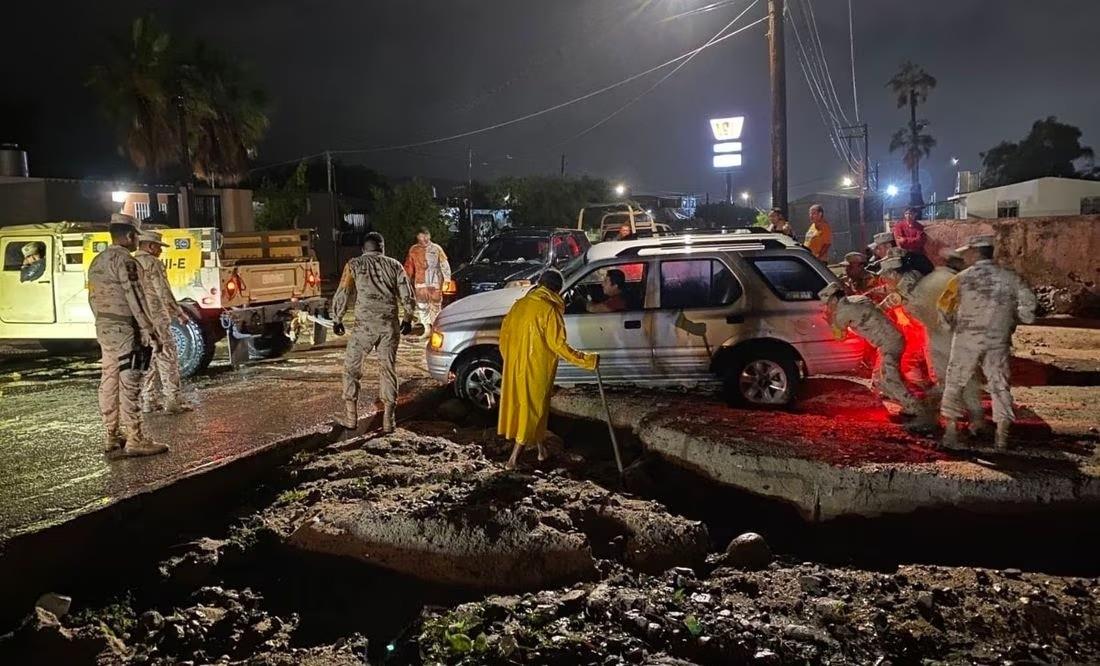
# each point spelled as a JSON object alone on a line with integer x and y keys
{"x": 727, "y": 150}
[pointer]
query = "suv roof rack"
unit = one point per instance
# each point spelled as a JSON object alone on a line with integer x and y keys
{"x": 725, "y": 230}
{"x": 709, "y": 244}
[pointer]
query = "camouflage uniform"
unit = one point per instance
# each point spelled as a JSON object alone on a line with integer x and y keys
{"x": 986, "y": 302}
{"x": 379, "y": 284}
{"x": 922, "y": 305}
{"x": 863, "y": 316}
{"x": 428, "y": 268}
{"x": 163, "y": 309}
{"x": 123, "y": 329}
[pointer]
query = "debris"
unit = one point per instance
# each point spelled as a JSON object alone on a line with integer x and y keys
{"x": 57, "y": 604}
{"x": 748, "y": 551}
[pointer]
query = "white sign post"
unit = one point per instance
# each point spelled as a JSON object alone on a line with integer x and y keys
{"x": 728, "y": 149}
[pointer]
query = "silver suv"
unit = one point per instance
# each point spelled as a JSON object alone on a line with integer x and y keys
{"x": 739, "y": 307}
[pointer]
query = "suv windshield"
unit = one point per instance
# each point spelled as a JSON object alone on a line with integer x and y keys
{"x": 514, "y": 250}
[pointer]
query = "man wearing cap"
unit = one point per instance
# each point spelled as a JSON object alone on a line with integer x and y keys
{"x": 884, "y": 242}
{"x": 857, "y": 279}
{"x": 164, "y": 374}
{"x": 428, "y": 270}
{"x": 909, "y": 232}
{"x": 779, "y": 224}
{"x": 819, "y": 237}
{"x": 984, "y": 303}
{"x": 34, "y": 261}
{"x": 126, "y": 336}
{"x": 378, "y": 284}
{"x": 865, "y": 318}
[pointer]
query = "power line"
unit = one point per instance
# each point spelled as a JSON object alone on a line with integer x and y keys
{"x": 816, "y": 37}
{"x": 852, "y": 54}
{"x": 670, "y": 74}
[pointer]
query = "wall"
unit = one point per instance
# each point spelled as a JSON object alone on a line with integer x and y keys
{"x": 1057, "y": 256}
{"x": 1042, "y": 197}
{"x": 37, "y": 200}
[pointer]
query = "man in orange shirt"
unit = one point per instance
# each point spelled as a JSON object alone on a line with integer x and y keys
{"x": 428, "y": 269}
{"x": 819, "y": 237}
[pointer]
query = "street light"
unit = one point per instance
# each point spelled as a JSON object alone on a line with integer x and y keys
{"x": 620, "y": 190}
{"x": 891, "y": 190}
{"x": 954, "y": 161}
{"x": 846, "y": 181}
{"x": 744, "y": 196}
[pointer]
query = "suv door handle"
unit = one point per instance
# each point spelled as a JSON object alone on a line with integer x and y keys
{"x": 43, "y": 282}
{"x": 632, "y": 323}
{"x": 735, "y": 319}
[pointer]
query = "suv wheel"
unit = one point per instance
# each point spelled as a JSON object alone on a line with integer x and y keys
{"x": 478, "y": 381}
{"x": 765, "y": 377}
{"x": 194, "y": 344}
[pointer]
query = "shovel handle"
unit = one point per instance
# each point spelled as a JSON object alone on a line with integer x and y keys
{"x": 610, "y": 428}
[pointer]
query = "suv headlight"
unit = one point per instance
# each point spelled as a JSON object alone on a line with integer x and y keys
{"x": 517, "y": 283}
{"x": 436, "y": 341}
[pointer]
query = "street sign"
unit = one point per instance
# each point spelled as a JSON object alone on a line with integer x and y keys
{"x": 727, "y": 150}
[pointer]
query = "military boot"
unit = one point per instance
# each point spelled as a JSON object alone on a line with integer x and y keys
{"x": 427, "y": 332}
{"x": 388, "y": 424}
{"x": 351, "y": 415}
{"x": 149, "y": 406}
{"x": 175, "y": 405}
{"x": 138, "y": 444}
{"x": 950, "y": 435}
{"x": 1001, "y": 439}
{"x": 113, "y": 442}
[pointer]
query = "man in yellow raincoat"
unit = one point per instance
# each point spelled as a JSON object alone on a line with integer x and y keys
{"x": 532, "y": 338}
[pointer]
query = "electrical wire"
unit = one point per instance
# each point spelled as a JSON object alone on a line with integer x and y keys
{"x": 815, "y": 36}
{"x": 852, "y": 56}
{"x": 669, "y": 75}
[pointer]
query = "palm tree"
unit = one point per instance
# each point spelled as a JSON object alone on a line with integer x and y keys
{"x": 226, "y": 118}
{"x": 135, "y": 88}
{"x": 912, "y": 84}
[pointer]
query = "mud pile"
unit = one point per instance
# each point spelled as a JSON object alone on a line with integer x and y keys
{"x": 441, "y": 511}
{"x": 786, "y": 614}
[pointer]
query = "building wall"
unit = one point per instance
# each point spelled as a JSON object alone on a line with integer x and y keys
{"x": 237, "y": 210}
{"x": 1042, "y": 197}
{"x": 842, "y": 212}
{"x": 1053, "y": 254}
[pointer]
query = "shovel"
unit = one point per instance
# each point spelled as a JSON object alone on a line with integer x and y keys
{"x": 610, "y": 428}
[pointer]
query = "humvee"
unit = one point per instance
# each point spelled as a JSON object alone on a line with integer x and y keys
{"x": 254, "y": 287}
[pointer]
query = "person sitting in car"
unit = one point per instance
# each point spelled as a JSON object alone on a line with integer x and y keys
{"x": 614, "y": 288}
{"x": 34, "y": 261}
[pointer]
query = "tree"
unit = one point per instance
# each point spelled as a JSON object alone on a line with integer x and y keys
{"x": 402, "y": 211}
{"x": 281, "y": 207}
{"x": 549, "y": 201}
{"x": 135, "y": 88}
{"x": 911, "y": 85}
{"x": 1051, "y": 148}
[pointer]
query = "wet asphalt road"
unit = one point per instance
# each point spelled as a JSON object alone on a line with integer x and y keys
{"x": 51, "y": 464}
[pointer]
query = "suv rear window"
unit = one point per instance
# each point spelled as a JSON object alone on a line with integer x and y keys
{"x": 791, "y": 278}
{"x": 697, "y": 283}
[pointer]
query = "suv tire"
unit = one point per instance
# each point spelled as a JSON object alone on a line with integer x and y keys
{"x": 762, "y": 377}
{"x": 478, "y": 380}
{"x": 195, "y": 344}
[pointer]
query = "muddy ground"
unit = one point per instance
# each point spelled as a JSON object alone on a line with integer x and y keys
{"x": 628, "y": 582}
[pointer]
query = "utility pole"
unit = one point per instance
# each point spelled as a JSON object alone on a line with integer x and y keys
{"x": 331, "y": 174}
{"x": 859, "y": 133}
{"x": 729, "y": 187}
{"x": 185, "y": 169}
{"x": 777, "y": 66}
{"x": 563, "y": 165}
{"x": 466, "y": 214}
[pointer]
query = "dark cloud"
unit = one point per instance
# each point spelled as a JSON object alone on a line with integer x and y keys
{"x": 346, "y": 75}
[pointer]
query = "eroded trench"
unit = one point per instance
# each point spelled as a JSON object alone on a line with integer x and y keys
{"x": 329, "y": 598}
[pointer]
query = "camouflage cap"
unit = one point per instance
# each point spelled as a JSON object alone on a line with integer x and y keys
{"x": 890, "y": 264}
{"x": 151, "y": 236}
{"x": 947, "y": 254}
{"x": 854, "y": 258}
{"x": 982, "y": 240}
{"x": 33, "y": 247}
{"x": 123, "y": 218}
{"x": 882, "y": 237}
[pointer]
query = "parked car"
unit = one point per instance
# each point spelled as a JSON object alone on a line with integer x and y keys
{"x": 604, "y": 222}
{"x": 515, "y": 258}
{"x": 740, "y": 307}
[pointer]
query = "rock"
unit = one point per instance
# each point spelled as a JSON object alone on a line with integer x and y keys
{"x": 812, "y": 584}
{"x": 151, "y": 621}
{"x": 453, "y": 410}
{"x": 926, "y": 603}
{"x": 766, "y": 657}
{"x": 829, "y": 610}
{"x": 57, "y": 604}
{"x": 41, "y": 639}
{"x": 748, "y": 551}
{"x": 194, "y": 566}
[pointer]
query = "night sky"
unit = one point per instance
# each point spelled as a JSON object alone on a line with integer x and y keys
{"x": 351, "y": 75}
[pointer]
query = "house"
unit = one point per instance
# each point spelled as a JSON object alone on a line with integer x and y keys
{"x": 842, "y": 212}
{"x": 1041, "y": 197}
{"x": 27, "y": 200}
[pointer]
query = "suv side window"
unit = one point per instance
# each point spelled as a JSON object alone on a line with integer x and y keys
{"x": 697, "y": 283}
{"x": 566, "y": 248}
{"x": 791, "y": 278}
{"x": 588, "y": 294}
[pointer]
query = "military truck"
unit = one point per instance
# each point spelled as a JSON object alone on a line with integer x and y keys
{"x": 257, "y": 288}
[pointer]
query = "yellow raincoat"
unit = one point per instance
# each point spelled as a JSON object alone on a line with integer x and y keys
{"x": 532, "y": 338}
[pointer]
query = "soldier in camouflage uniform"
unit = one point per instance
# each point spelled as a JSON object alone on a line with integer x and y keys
{"x": 867, "y": 320}
{"x": 126, "y": 336}
{"x": 984, "y": 303}
{"x": 164, "y": 375}
{"x": 378, "y": 284}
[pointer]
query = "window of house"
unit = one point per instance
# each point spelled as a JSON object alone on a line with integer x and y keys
{"x": 791, "y": 278}
{"x": 141, "y": 210}
{"x": 1010, "y": 208}
{"x": 208, "y": 211}
{"x": 590, "y": 288}
{"x": 697, "y": 283}
{"x": 1090, "y": 205}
